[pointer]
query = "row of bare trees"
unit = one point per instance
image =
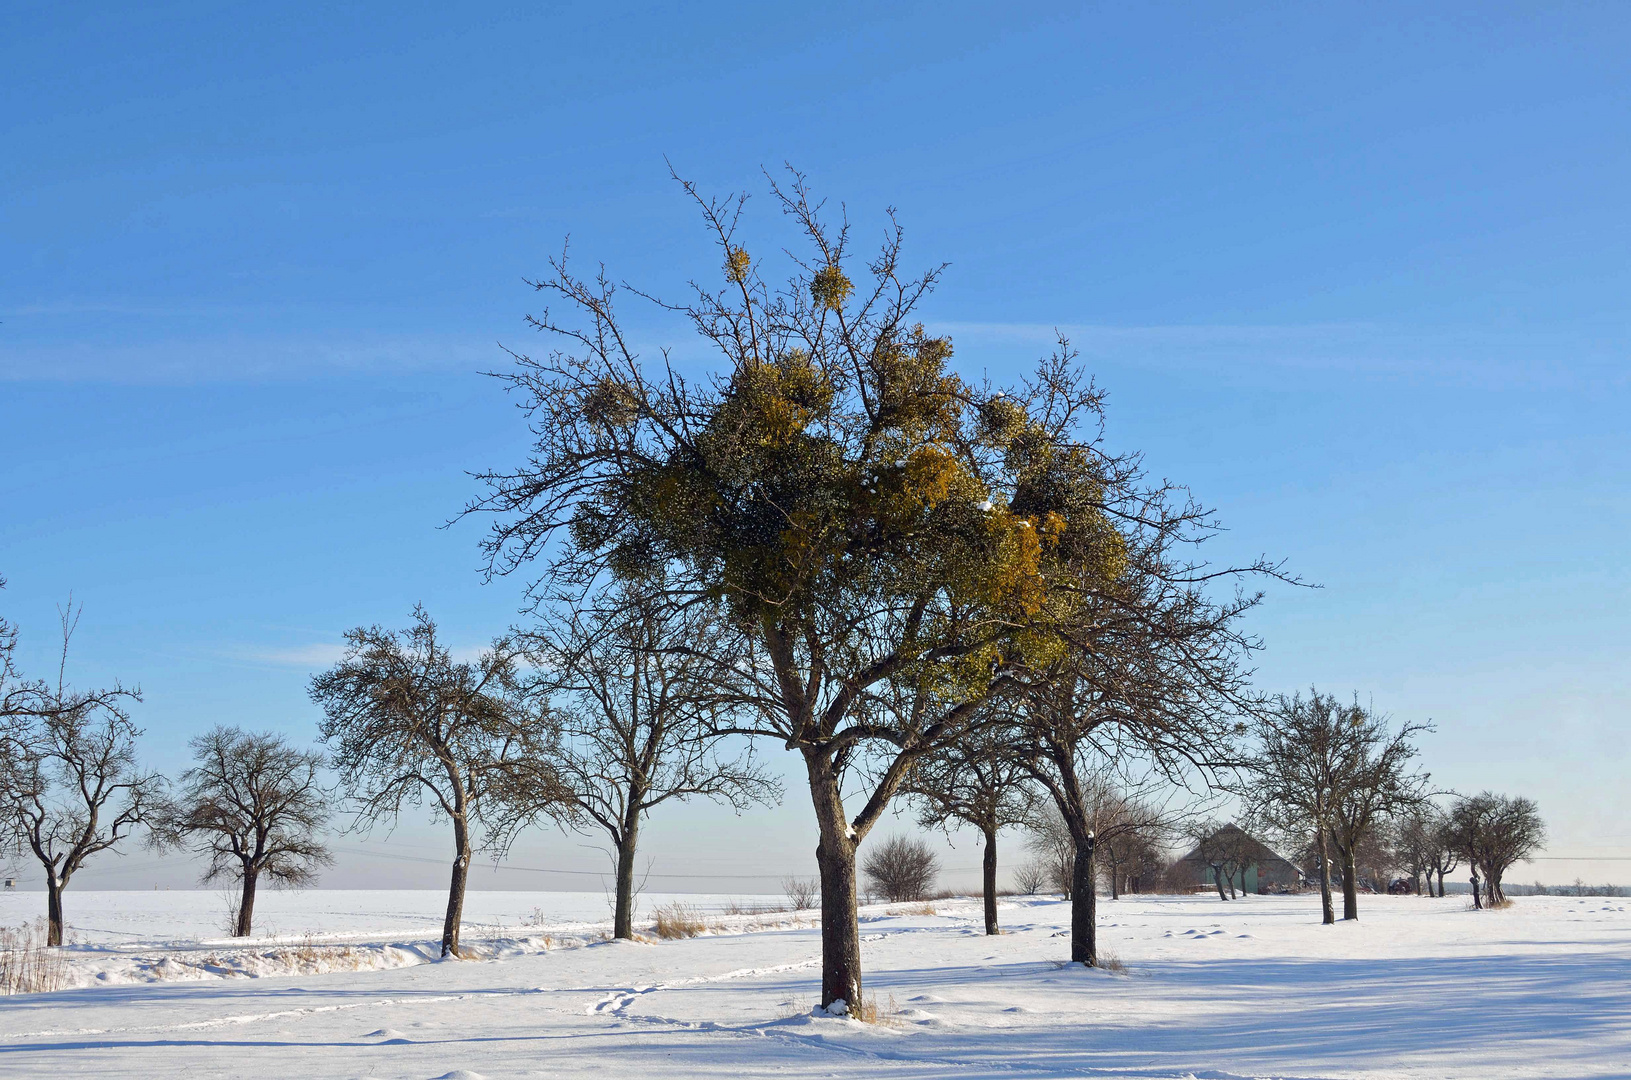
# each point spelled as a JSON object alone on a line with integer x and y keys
{"x": 72, "y": 788}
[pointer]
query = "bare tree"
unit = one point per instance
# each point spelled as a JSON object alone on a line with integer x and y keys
{"x": 74, "y": 788}
{"x": 1054, "y": 848}
{"x": 1329, "y": 772}
{"x": 1150, "y": 687}
{"x": 902, "y": 868}
{"x": 408, "y": 724}
{"x": 1223, "y": 849}
{"x": 1030, "y": 877}
{"x": 977, "y": 783}
{"x": 1376, "y": 781}
{"x": 1494, "y": 831}
{"x": 637, "y": 691}
{"x": 254, "y": 804}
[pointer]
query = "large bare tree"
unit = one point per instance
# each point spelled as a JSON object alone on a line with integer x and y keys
{"x": 254, "y": 804}
{"x": 75, "y": 788}
{"x": 408, "y": 725}
{"x": 638, "y": 689}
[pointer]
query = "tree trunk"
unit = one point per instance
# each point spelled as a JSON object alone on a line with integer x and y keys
{"x": 246, "y": 905}
{"x": 53, "y": 908}
{"x": 455, "y": 890}
{"x": 1115, "y": 882}
{"x": 623, "y": 917}
{"x": 1441, "y": 884}
{"x": 1350, "y": 885}
{"x": 990, "y": 881}
{"x": 1475, "y": 900}
{"x": 835, "y": 860}
{"x": 1217, "y": 879}
{"x": 1084, "y": 896}
{"x": 1327, "y": 914}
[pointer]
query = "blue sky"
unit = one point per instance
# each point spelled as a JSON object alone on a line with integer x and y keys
{"x": 1357, "y": 275}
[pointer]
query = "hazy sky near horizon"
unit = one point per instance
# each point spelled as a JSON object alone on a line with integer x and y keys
{"x": 1357, "y": 275}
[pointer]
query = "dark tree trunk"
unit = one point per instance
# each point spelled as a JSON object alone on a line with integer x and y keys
{"x": 455, "y": 890}
{"x": 835, "y": 860}
{"x": 1327, "y": 914}
{"x": 1115, "y": 882}
{"x": 1217, "y": 879}
{"x": 1084, "y": 895}
{"x": 990, "y": 881}
{"x": 623, "y": 917}
{"x": 53, "y": 908}
{"x": 246, "y": 905}
{"x": 1476, "y": 902}
{"x": 1350, "y": 885}
{"x": 1441, "y": 884}
{"x": 840, "y": 930}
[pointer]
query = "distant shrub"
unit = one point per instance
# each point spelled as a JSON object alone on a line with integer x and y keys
{"x": 902, "y": 868}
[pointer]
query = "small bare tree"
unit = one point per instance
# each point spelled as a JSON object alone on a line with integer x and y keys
{"x": 254, "y": 804}
{"x": 74, "y": 788}
{"x": 636, "y": 691}
{"x": 1030, "y": 877}
{"x": 1220, "y": 848}
{"x": 1494, "y": 831}
{"x": 901, "y": 868}
{"x": 1053, "y": 848}
{"x": 979, "y": 783}
{"x": 407, "y": 724}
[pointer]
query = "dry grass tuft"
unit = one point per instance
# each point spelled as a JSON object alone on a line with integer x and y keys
{"x": 868, "y": 1011}
{"x": 678, "y": 920}
{"x": 1109, "y": 961}
{"x": 27, "y": 964}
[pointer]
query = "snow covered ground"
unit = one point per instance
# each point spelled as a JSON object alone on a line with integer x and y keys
{"x": 1418, "y": 988}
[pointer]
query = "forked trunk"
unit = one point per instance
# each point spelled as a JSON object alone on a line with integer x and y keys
{"x": 1084, "y": 896}
{"x": 1327, "y": 914}
{"x": 1350, "y": 885}
{"x": 455, "y": 890}
{"x": 990, "y": 882}
{"x": 623, "y": 915}
{"x": 53, "y": 908}
{"x": 246, "y": 905}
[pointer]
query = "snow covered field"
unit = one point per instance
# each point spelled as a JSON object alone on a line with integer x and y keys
{"x": 1420, "y": 988}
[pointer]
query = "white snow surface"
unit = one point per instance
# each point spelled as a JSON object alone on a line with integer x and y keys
{"x": 346, "y": 984}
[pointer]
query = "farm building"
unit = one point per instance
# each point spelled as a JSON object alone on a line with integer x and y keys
{"x": 1242, "y": 861}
